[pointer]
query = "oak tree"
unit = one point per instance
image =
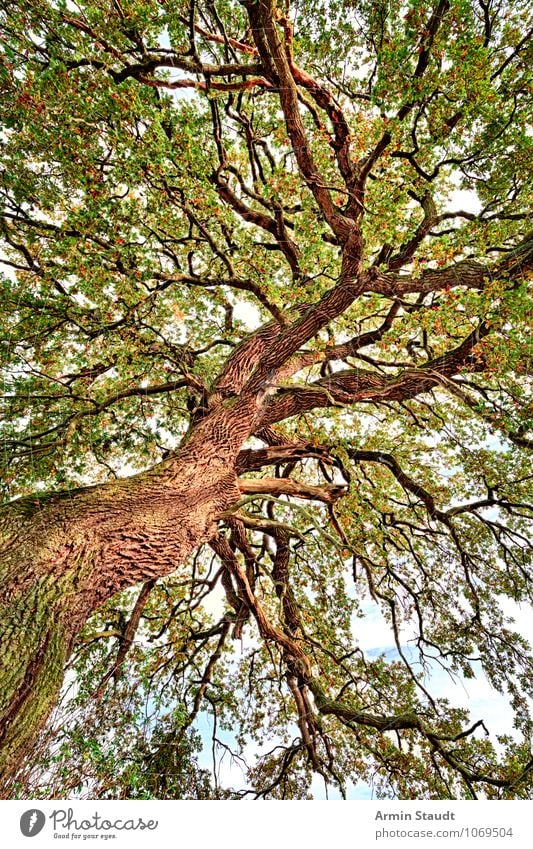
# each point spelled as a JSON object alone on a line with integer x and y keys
{"x": 265, "y": 363}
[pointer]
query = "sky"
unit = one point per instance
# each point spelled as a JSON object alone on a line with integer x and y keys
{"x": 375, "y": 638}
{"x": 374, "y": 635}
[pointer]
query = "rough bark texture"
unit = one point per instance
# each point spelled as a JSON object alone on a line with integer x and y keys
{"x": 63, "y": 555}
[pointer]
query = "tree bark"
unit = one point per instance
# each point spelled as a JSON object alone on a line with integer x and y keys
{"x": 63, "y": 555}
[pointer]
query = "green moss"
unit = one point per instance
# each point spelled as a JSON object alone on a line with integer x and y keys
{"x": 34, "y": 633}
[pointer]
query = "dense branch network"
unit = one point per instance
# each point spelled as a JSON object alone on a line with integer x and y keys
{"x": 359, "y": 311}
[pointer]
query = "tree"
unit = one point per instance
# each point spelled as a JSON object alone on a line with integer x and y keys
{"x": 265, "y": 357}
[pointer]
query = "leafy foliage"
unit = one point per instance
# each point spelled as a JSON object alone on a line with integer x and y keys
{"x": 178, "y": 182}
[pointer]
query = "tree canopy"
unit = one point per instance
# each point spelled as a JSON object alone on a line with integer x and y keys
{"x": 265, "y": 356}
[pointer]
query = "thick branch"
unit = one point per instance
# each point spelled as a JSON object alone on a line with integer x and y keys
{"x": 286, "y": 486}
{"x": 352, "y": 385}
{"x": 251, "y": 460}
{"x": 272, "y": 51}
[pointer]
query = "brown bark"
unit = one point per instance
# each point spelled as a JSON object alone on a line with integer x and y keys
{"x": 63, "y": 555}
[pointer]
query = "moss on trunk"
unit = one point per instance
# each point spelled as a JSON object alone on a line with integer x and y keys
{"x": 63, "y": 555}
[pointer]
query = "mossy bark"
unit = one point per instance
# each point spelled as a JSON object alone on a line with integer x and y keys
{"x": 62, "y": 556}
{"x": 35, "y": 645}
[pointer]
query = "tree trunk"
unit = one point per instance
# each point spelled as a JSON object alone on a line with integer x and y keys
{"x": 62, "y": 556}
